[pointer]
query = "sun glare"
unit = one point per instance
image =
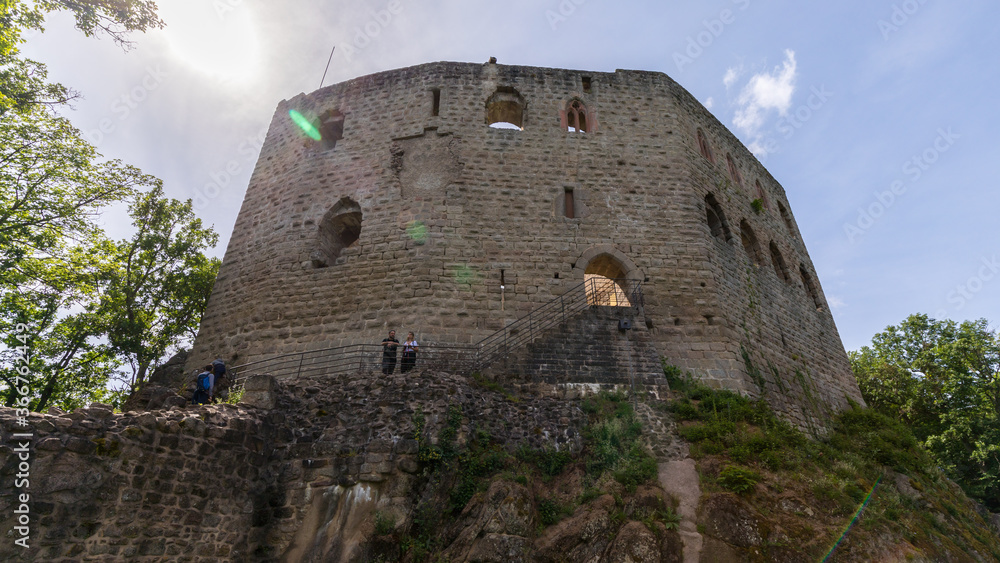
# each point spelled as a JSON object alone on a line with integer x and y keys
{"x": 222, "y": 43}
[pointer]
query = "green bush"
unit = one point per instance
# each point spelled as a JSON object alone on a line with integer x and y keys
{"x": 738, "y": 479}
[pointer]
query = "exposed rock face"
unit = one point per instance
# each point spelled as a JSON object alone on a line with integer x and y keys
{"x": 333, "y": 473}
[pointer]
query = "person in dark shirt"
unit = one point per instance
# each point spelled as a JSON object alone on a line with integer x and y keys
{"x": 389, "y": 353}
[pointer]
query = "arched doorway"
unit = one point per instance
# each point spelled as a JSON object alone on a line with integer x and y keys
{"x": 606, "y": 282}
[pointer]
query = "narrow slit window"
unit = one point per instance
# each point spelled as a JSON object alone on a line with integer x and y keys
{"x": 586, "y": 84}
{"x": 436, "y": 107}
{"x": 733, "y": 171}
{"x": 706, "y": 151}
{"x": 570, "y": 204}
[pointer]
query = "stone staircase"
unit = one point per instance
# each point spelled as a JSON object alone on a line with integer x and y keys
{"x": 587, "y": 348}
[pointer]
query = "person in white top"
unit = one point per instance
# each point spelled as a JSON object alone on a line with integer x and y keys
{"x": 409, "y": 353}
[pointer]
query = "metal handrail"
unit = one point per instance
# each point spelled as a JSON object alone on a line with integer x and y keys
{"x": 476, "y": 357}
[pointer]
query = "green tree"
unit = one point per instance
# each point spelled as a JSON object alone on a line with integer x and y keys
{"x": 159, "y": 283}
{"x": 942, "y": 378}
{"x": 23, "y": 83}
{"x": 56, "y": 305}
{"x": 53, "y": 185}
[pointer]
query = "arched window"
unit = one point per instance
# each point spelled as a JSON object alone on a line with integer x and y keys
{"x": 576, "y": 117}
{"x": 810, "y": 286}
{"x": 339, "y": 229}
{"x": 717, "y": 219}
{"x": 761, "y": 195}
{"x": 505, "y": 109}
{"x": 787, "y": 218}
{"x": 706, "y": 151}
{"x": 779, "y": 264}
{"x": 734, "y": 173}
{"x": 750, "y": 243}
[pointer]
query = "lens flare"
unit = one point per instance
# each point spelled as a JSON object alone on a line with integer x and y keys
{"x": 854, "y": 520}
{"x": 464, "y": 275}
{"x": 307, "y": 127}
{"x": 417, "y": 231}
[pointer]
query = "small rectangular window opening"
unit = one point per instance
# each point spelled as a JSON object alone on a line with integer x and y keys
{"x": 501, "y": 279}
{"x": 570, "y": 204}
{"x": 586, "y": 84}
{"x": 437, "y": 102}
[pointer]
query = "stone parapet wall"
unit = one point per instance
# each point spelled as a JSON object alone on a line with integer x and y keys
{"x": 178, "y": 485}
{"x": 241, "y": 483}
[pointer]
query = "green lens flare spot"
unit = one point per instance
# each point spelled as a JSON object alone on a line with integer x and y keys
{"x": 417, "y": 231}
{"x": 304, "y": 124}
{"x": 464, "y": 275}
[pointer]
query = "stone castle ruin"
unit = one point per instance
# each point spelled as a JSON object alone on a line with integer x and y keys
{"x": 453, "y": 199}
{"x": 546, "y": 234}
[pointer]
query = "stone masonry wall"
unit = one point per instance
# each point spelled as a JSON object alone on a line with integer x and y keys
{"x": 294, "y": 481}
{"x": 180, "y": 485}
{"x": 449, "y": 208}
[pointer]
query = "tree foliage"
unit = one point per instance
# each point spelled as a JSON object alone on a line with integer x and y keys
{"x": 942, "y": 378}
{"x": 89, "y": 312}
{"x": 159, "y": 282}
{"x": 52, "y": 185}
{"x": 23, "y": 84}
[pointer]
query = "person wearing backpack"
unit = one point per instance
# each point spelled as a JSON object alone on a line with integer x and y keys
{"x": 204, "y": 387}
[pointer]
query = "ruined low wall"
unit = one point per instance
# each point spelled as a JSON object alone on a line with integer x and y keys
{"x": 187, "y": 484}
{"x": 241, "y": 483}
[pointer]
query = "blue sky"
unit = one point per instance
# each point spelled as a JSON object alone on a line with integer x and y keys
{"x": 876, "y": 117}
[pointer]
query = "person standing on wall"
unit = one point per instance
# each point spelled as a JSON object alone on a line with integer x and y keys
{"x": 389, "y": 353}
{"x": 204, "y": 390}
{"x": 409, "y": 353}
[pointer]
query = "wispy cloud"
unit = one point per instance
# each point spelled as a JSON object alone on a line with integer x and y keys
{"x": 764, "y": 92}
{"x": 732, "y": 75}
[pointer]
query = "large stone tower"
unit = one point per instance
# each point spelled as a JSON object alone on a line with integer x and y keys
{"x": 406, "y": 199}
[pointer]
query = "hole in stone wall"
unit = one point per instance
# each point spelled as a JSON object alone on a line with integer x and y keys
{"x": 505, "y": 109}
{"x": 586, "y": 84}
{"x": 556, "y": 275}
{"x": 750, "y": 243}
{"x": 717, "y": 223}
{"x": 677, "y": 322}
{"x": 340, "y": 228}
{"x": 649, "y": 323}
{"x": 710, "y": 319}
{"x": 331, "y": 129}
{"x": 436, "y": 106}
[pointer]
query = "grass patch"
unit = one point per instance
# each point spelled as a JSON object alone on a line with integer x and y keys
{"x": 613, "y": 444}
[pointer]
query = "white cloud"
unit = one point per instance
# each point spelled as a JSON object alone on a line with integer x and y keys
{"x": 732, "y": 74}
{"x": 835, "y": 302}
{"x": 765, "y": 92}
{"x": 709, "y": 103}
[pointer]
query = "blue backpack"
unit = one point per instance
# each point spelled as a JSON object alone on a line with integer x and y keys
{"x": 204, "y": 383}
